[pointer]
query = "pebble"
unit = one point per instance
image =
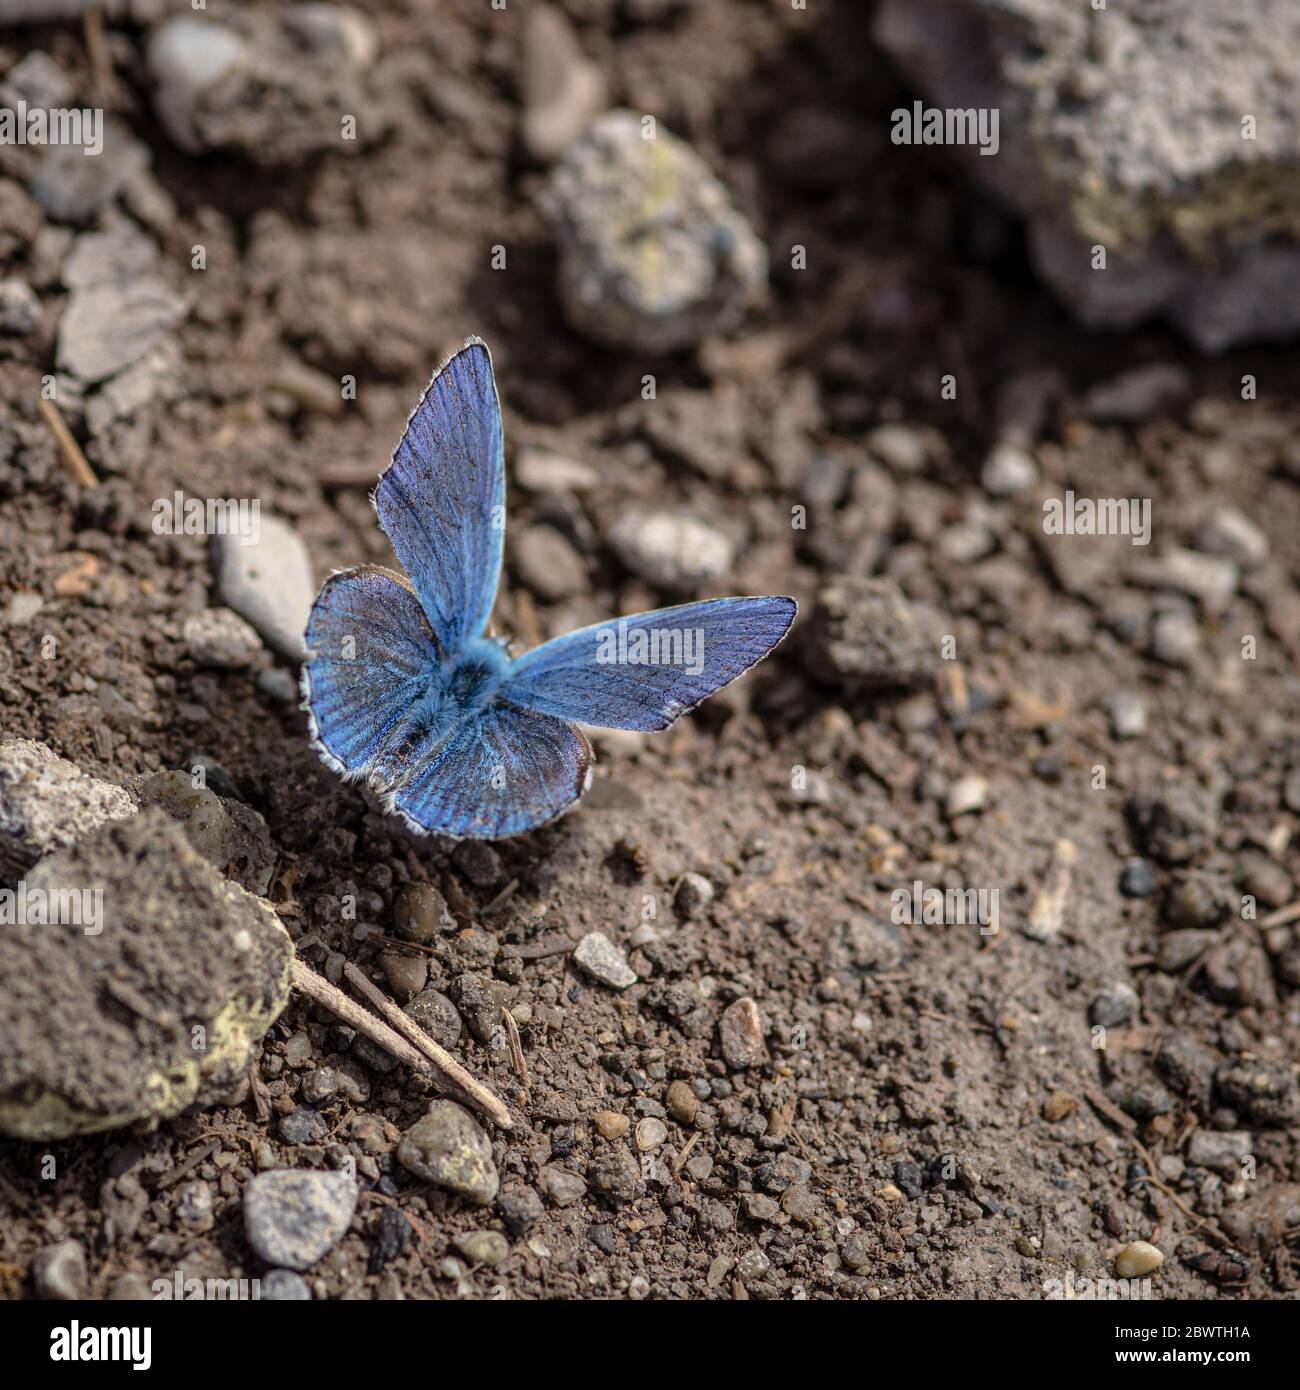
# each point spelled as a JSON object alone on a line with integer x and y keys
{"x": 1210, "y": 579}
{"x": 682, "y": 1103}
{"x": 47, "y": 802}
{"x": 694, "y": 894}
{"x": 279, "y": 685}
{"x": 560, "y": 1187}
{"x": 671, "y": 550}
{"x": 1137, "y": 1259}
{"x": 520, "y": 1207}
{"x": 230, "y": 835}
{"x": 611, "y": 1125}
{"x": 760, "y": 1207}
{"x": 1115, "y": 1006}
{"x": 1233, "y": 535}
{"x": 1178, "y": 949}
{"x": 437, "y": 1015}
{"x": 294, "y": 1216}
{"x": 616, "y": 1175}
{"x": 1222, "y": 1152}
{"x": 900, "y": 447}
{"x": 866, "y": 633}
{"x": 119, "y": 308}
{"x": 72, "y": 185}
{"x": 1136, "y": 395}
{"x": 1136, "y": 879}
{"x": 741, "y": 1030}
{"x": 20, "y": 309}
{"x": 653, "y": 254}
{"x": 338, "y": 29}
{"x": 1175, "y": 639}
{"x": 420, "y": 914}
{"x": 1265, "y": 1093}
{"x": 1128, "y": 713}
{"x": 479, "y": 862}
{"x": 59, "y": 1271}
{"x": 269, "y": 583}
{"x": 188, "y": 57}
{"x": 1059, "y": 1105}
{"x": 1008, "y": 470}
{"x": 1174, "y": 821}
{"x": 217, "y": 637}
{"x": 285, "y": 1286}
{"x": 752, "y": 1265}
{"x": 302, "y": 1125}
{"x": 562, "y": 90}
{"x": 541, "y": 470}
{"x": 547, "y": 563}
{"x": 965, "y": 795}
{"x": 603, "y": 961}
{"x": 406, "y": 975}
{"x": 483, "y": 1247}
{"x": 650, "y": 1133}
{"x": 449, "y": 1148}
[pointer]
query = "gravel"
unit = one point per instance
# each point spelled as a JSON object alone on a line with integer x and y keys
{"x": 294, "y": 1217}
{"x": 449, "y": 1148}
{"x": 603, "y": 961}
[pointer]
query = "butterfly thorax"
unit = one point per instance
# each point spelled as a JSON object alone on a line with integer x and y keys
{"x": 458, "y": 690}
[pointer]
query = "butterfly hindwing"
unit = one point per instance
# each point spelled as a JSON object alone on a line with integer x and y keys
{"x": 642, "y": 672}
{"x": 503, "y": 772}
{"x": 441, "y": 501}
{"x": 369, "y": 652}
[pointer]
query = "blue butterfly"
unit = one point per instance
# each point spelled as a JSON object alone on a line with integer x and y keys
{"x": 405, "y": 689}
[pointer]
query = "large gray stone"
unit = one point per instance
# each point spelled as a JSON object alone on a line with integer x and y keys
{"x": 1122, "y": 127}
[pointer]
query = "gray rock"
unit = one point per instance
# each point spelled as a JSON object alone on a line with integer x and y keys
{"x": 47, "y": 802}
{"x": 269, "y": 583}
{"x": 541, "y": 470}
{"x": 603, "y": 961}
{"x": 1110, "y": 135}
{"x": 1234, "y": 536}
{"x": 284, "y": 1286}
{"x": 293, "y": 1217}
{"x": 20, "y": 309}
{"x": 274, "y": 91}
{"x": 157, "y": 1010}
{"x": 230, "y": 835}
{"x": 653, "y": 255}
{"x": 59, "y": 1271}
{"x": 1264, "y": 1092}
{"x": 741, "y": 1031}
{"x": 520, "y": 1207}
{"x": 562, "y": 90}
{"x": 437, "y": 1015}
{"x": 1139, "y": 394}
{"x": 1008, "y": 469}
{"x": 1175, "y": 639}
{"x": 73, "y": 182}
{"x": 865, "y": 633}
{"x": 1128, "y": 713}
{"x": 1115, "y": 1006}
{"x": 1174, "y": 820}
{"x": 560, "y": 1187}
{"x": 120, "y": 308}
{"x": 1210, "y": 579}
{"x": 218, "y": 637}
{"x": 449, "y": 1148}
{"x": 671, "y": 550}
{"x": 693, "y": 896}
{"x": 1221, "y": 1152}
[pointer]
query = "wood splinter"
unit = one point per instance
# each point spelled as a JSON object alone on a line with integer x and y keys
{"x": 405, "y": 1040}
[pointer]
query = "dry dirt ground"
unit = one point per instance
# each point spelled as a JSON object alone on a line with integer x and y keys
{"x": 935, "y": 1117}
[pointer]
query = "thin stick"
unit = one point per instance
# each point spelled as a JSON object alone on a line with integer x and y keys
{"x": 516, "y": 1047}
{"x": 101, "y": 63}
{"x": 318, "y": 989}
{"x": 69, "y": 450}
{"x": 451, "y": 1070}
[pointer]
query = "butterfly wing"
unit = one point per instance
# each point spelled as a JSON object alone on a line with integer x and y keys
{"x": 370, "y": 651}
{"x": 441, "y": 501}
{"x": 502, "y": 772}
{"x": 614, "y": 675}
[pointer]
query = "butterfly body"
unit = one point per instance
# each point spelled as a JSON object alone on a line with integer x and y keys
{"x": 405, "y": 690}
